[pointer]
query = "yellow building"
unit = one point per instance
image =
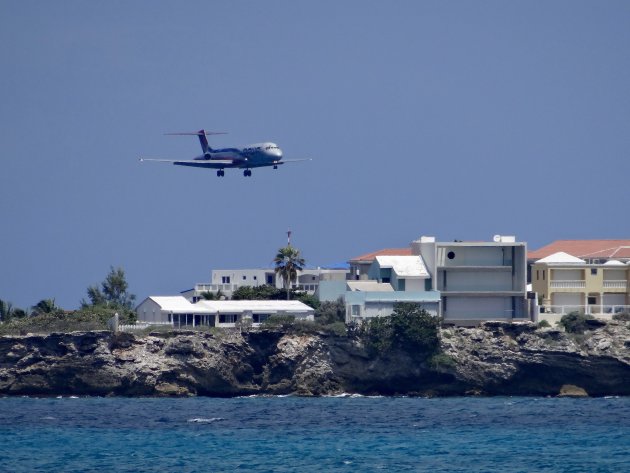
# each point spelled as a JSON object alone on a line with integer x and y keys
{"x": 565, "y": 283}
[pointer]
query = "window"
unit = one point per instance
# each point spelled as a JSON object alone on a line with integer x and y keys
{"x": 225, "y": 279}
{"x": 592, "y": 300}
{"x": 450, "y": 255}
{"x": 259, "y": 318}
{"x": 356, "y": 310}
{"x": 227, "y": 318}
{"x": 594, "y": 271}
{"x": 537, "y": 275}
{"x": 255, "y": 278}
{"x": 269, "y": 279}
{"x": 244, "y": 278}
{"x": 313, "y": 278}
{"x": 543, "y": 274}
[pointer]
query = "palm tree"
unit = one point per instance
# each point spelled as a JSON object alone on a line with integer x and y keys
{"x": 288, "y": 262}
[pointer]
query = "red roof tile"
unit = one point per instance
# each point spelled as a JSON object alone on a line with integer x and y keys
{"x": 585, "y": 249}
{"x": 383, "y": 252}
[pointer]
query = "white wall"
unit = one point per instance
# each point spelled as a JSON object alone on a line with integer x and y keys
{"x": 478, "y": 281}
{"x": 467, "y": 308}
{"x": 415, "y": 285}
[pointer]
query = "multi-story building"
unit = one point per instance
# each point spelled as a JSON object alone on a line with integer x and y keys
{"x": 464, "y": 282}
{"x": 229, "y": 280}
{"x": 392, "y": 279}
{"x": 478, "y": 281}
{"x": 565, "y": 283}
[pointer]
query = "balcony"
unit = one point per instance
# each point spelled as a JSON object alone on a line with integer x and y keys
{"x": 568, "y": 284}
{"x": 616, "y": 284}
{"x": 596, "y": 309}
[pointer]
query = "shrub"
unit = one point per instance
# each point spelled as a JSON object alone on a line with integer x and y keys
{"x": 575, "y": 322}
{"x": 623, "y": 317}
{"x": 336, "y": 328}
{"x": 330, "y": 312}
{"x": 279, "y": 321}
{"x": 409, "y": 328}
{"x": 442, "y": 361}
{"x": 544, "y": 324}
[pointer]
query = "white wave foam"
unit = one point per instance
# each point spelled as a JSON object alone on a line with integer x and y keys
{"x": 204, "y": 420}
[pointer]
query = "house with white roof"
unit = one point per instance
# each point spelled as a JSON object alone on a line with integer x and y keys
{"x": 393, "y": 279}
{"x": 565, "y": 283}
{"x": 180, "y": 312}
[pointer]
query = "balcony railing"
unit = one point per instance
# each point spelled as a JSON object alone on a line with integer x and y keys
{"x": 615, "y": 284}
{"x": 568, "y": 284}
{"x": 589, "y": 309}
{"x": 215, "y": 287}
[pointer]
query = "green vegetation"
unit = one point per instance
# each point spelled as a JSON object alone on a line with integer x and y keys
{"x": 622, "y": 317}
{"x": 575, "y": 322}
{"x": 288, "y": 262}
{"x": 213, "y": 296}
{"x": 410, "y": 328}
{"x": 442, "y": 362}
{"x": 45, "y": 317}
{"x": 544, "y": 324}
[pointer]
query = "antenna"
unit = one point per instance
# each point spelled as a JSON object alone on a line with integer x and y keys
{"x": 289, "y": 237}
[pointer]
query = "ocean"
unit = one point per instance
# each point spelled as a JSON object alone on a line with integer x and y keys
{"x": 287, "y": 434}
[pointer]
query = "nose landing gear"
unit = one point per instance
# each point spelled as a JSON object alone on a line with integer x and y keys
{"x": 220, "y": 173}
{"x": 247, "y": 173}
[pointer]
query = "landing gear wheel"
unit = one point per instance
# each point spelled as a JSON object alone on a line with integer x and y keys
{"x": 220, "y": 173}
{"x": 247, "y": 173}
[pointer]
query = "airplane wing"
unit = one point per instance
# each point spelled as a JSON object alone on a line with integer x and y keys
{"x": 292, "y": 160}
{"x": 191, "y": 161}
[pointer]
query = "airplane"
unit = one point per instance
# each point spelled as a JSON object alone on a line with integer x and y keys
{"x": 247, "y": 157}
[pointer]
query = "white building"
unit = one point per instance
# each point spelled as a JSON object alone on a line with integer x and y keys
{"x": 229, "y": 280}
{"x": 478, "y": 281}
{"x": 180, "y": 312}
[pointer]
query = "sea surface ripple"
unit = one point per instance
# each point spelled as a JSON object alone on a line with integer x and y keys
{"x": 286, "y": 434}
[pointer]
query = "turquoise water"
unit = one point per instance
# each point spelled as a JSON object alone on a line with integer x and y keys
{"x": 321, "y": 434}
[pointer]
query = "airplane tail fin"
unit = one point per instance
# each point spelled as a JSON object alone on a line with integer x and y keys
{"x": 203, "y": 141}
{"x": 202, "y": 138}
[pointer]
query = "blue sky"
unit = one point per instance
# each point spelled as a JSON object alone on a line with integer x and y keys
{"x": 455, "y": 119}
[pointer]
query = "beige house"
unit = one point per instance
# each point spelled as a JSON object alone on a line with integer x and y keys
{"x": 565, "y": 283}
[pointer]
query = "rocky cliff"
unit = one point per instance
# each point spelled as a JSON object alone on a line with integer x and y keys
{"x": 493, "y": 359}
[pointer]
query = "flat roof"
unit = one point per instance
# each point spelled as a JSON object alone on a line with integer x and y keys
{"x": 179, "y": 304}
{"x": 404, "y": 266}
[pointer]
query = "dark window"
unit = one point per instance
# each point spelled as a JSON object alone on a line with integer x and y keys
{"x": 225, "y": 279}
{"x": 255, "y": 278}
{"x": 592, "y": 300}
{"x": 259, "y": 318}
{"x": 385, "y": 280}
{"x": 451, "y": 255}
{"x": 543, "y": 271}
{"x": 593, "y": 271}
{"x": 269, "y": 279}
{"x": 244, "y": 278}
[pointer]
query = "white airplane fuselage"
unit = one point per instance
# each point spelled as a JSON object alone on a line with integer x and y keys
{"x": 246, "y": 157}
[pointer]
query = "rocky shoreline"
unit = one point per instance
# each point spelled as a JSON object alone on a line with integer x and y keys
{"x": 493, "y": 359}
